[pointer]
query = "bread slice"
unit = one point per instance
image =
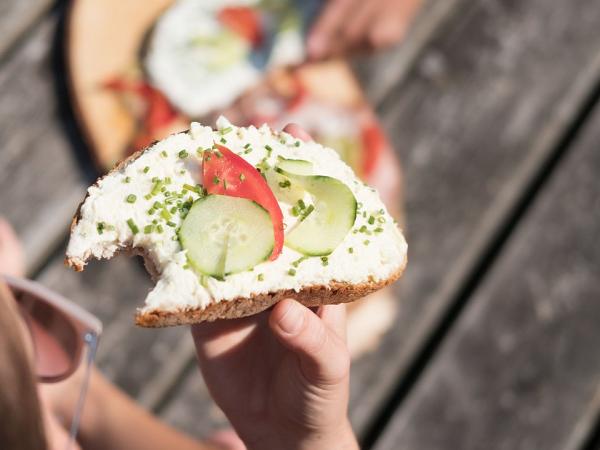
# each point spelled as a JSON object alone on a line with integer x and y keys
{"x": 364, "y": 262}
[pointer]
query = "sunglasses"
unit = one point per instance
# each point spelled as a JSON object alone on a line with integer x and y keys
{"x": 60, "y": 329}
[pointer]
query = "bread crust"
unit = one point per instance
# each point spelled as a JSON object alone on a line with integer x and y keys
{"x": 316, "y": 295}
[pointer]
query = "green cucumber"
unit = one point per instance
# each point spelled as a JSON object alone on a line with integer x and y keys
{"x": 295, "y": 166}
{"x": 225, "y": 235}
{"x": 321, "y": 231}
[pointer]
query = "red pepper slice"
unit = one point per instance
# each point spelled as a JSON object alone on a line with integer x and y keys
{"x": 374, "y": 142}
{"x": 243, "y": 21}
{"x": 226, "y": 173}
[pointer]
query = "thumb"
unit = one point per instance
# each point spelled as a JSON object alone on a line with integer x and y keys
{"x": 323, "y": 355}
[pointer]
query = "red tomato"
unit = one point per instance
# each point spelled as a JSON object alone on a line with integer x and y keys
{"x": 226, "y": 173}
{"x": 243, "y": 21}
{"x": 374, "y": 142}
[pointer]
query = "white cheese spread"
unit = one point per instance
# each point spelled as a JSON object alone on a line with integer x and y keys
{"x": 138, "y": 206}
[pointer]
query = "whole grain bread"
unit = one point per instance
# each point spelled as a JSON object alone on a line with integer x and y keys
{"x": 315, "y": 295}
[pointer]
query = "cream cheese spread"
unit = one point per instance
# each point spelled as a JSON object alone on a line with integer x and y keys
{"x": 137, "y": 206}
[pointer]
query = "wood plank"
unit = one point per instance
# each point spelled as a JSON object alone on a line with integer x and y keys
{"x": 474, "y": 124}
{"x": 521, "y": 368}
{"x": 480, "y": 113}
{"x": 40, "y": 179}
{"x": 16, "y": 17}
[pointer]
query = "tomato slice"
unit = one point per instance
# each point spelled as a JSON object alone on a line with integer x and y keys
{"x": 374, "y": 142}
{"x": 226, "y": 173}
{"x": 243, "y": 21}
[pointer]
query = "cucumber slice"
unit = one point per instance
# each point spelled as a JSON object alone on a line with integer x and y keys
{"x": 334, "y": 213}
{"x": 295, "y": 166}
{"x": 225, "y": 235}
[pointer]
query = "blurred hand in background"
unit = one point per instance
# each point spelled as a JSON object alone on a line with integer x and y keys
{"x": 350, "y": 26}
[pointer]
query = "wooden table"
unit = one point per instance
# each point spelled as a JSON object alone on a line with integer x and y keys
{"x": 493, "y": 108}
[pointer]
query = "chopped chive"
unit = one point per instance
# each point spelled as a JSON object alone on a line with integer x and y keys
{"x": 186, "y": 266}
{"x": 307, "y": 212}
{"x": 168, "y": 180}
{"x": 363, "y": 229}
{"x": 155, "y": 222}
{"x": 131, "y": 198}
{"x": 165, "y": 214}
{"x": 350, "y": 250}
{"x": 282, "y": 141}
{"x": 260, "y": 277}
{"x": 223, "y": 140}
{"x": 148, "y": 196}
{"x": 297, "y": 143}
{"x": 163, "y": 154}
{"x": 183, "y": 154}
{"x": 199, "y": 151}
{"x": 127, "y": 180}
{"x": 285, "y": 184}
{"x": 324, "y": 260}
{"x": 148, "y": 229}
{"x": 378, "y": 230}
{"x": 269, "y": 149}
{"x": 295, "y": 211}
{"x": 218, "y": 154}
{"x": 146, "y": 169}
{"x": 151, "y": 211}
{"x": 216, "y": 180}
{"x": 381, "y": 219}
{"x": 157, "y": 187}
{"x": 159, "y": 228}
{"x": 163, "y": 189}
{"x": 157, "y": 205}
{"x": 381, "y": 211}
{"x": 100, "y": 227}
{"x": 182, "y": 172}
{"x": 189, "y": 187}
{"x": 366, "y": 242}
{"x": 371, "y": 220}
{"x": 301, "y": 204}
{"x": 132, "y": 226}
{"x": 292, "y": 272}
{"x": 226, "y": 130}
{"x": 173, "y": 210}
{"x": 242, "y": 177}
{"x": 247, "y": 146}
{"x": 298, "y": 261}
{"x": 171, "y": 224}
{"x": 247, "y": 151}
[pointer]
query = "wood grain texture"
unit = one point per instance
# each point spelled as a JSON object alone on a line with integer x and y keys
{"x": 479, "y": 115}
{"x": 521, "y": 366}
{"x": 17, "y": 17}
{"x": 39, "y": 176}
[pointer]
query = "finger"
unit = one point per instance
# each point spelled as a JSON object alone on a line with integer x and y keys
{"x": 334, "y": 317}
{"x": 297, "y": 131}
{"x": 326, "y": 29}
{"x": 356, "y": 30}
{"x": 213, "y": 339}
{"x": 393, "y": 23}
{"x": 323, "y": 356}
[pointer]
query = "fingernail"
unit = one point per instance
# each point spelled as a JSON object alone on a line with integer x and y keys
{"x": 292, "y": 319}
